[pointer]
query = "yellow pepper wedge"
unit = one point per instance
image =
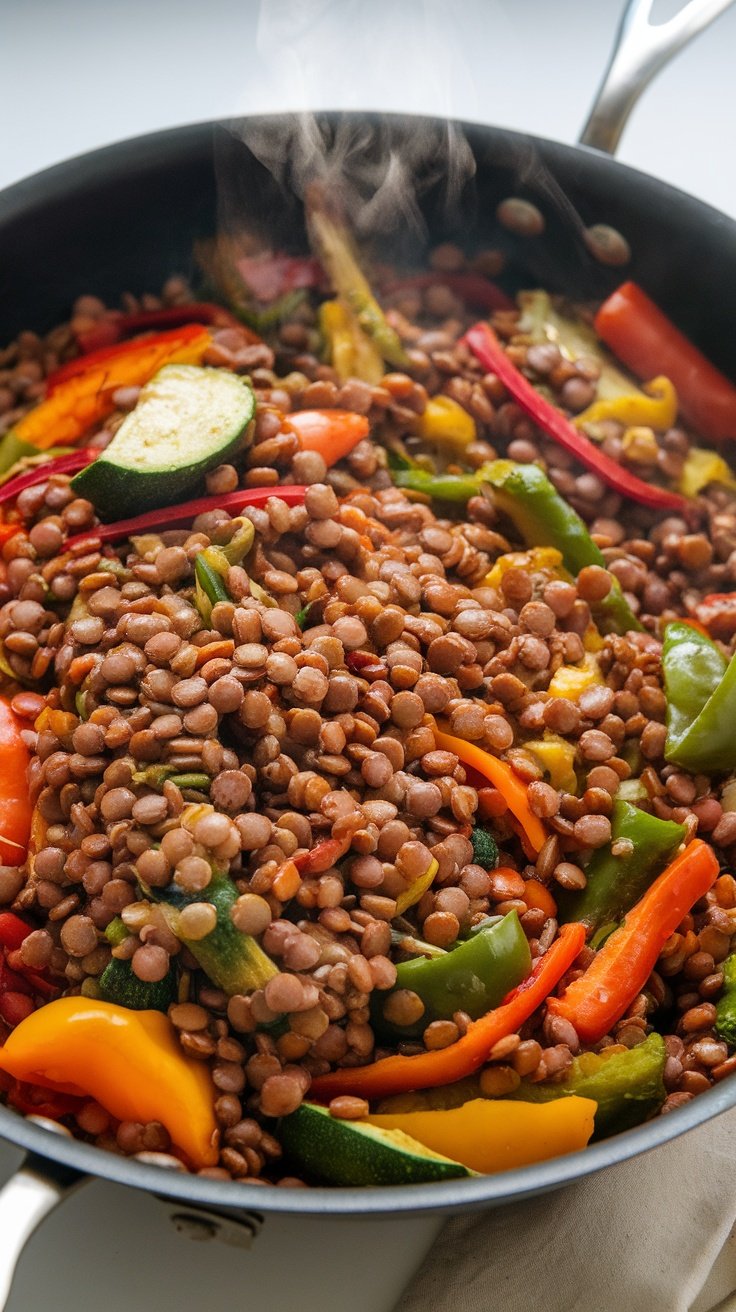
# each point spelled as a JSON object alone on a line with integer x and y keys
{"x": 658, "y": 409}
{"x": 570, "y": 680}
{"x": 702, "y": 467}
{"x": 496, "y": 1135}
{"x": 537, "y": 558}
{"x": 417, "y": 889}
{"x": 351, "y": 352}
{"x": 128, "y": 1061}
{"x": 445, "y": 423}
{"x": 556, "y": 757}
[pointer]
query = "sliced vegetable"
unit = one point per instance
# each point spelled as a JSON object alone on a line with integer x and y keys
{"x": 726, "y": 1004}
{"x": 416, "y": 890}
{"x": 80, "y": 399}
{"x": 570, "y": 681}
{"x": 716, "y": 615}
{"x": 541, "y": 322}
{"x": 350, "y": 351}
{"x": 130, "y": 1062}
{"x": 649, "y": 343}
{"x": 441, "y": 487}
{"x": 119, "y": 984}
{"x": 503, "y": 777}
{"x": 339, "y": 258}
{"x": 700, "y": 686}
{"x": 657, "y": 409}
{"x": 557, "y": 758}
{"x": 15, "y": 805}
{"x": 356, "y": 1152}
{"x": 703, "y": 467}
{"x": 41, "y": 469}
{"x": 486, "y": 347}
{"x": 187, "y": 420}
{"x": 114, "y": 326}
{"x": 186, "y": 511}
{"x": 210, "y": 586}
{"x": 428, "y": 1069}
{"x": 485, "y": 848}
{"x": 235, "y": 962}
{"x": 444, "y": 423}
{"x": 615, "y": 883}
{"x": 473, "y": 978}
{"x": 490, "y": 1136}
{"x": 621, "y": 968}
{"x": 331, "y": 433}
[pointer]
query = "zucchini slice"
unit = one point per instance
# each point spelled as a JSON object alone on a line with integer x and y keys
{"x": 188, "y": 419}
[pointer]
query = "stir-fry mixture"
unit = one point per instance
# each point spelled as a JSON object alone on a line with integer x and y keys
{"x": 367, "y": 750}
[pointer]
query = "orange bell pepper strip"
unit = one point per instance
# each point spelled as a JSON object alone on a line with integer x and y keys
{"x": 504, "y": 778}
{"x": 81, "y": 394}
{"x": 491, "y": 1135}
{"x": 331, "y": 433}
{"x": 129, "y": 1061}
{"x": 428, "y": 1070}
{"x": 15, "y": 804}
{"x": 621, "y": 968}
{"x": 643, "y": 337}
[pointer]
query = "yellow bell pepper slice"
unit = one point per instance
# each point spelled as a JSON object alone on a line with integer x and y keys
{"x": 658, "y": 409}
{"x": 497, "y": 1135}
{"x": 570, "y": 680}
{"x": 702, "y": 467}
{"x": 537, "y": 558}
{"x": 351, "y": 352}
{"x": 417, "y": 889}
{"x": 445, "y": 423}
{"x": 556, "y": 757}
{"x": 128, "y": 1061}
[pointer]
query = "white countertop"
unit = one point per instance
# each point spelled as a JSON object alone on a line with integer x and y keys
{"x": 79, "y": 74}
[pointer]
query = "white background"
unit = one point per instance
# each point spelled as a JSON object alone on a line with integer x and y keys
{"x": 77, "y": 74}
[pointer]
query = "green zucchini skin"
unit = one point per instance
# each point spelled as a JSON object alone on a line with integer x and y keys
{"x": 188, "y": 420}
{"x": 119, "y": 984}
{"x": 235, "y": 962}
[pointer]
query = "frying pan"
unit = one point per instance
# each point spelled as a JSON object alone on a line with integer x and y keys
{"x": 126, "y": 217}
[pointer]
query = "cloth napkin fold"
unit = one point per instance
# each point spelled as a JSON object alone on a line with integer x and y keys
{"x": 654, "y": 1234}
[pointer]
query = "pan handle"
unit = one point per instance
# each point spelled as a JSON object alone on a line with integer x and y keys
{"x": 640, "y": 51}
{"x": 27, "y": 1198}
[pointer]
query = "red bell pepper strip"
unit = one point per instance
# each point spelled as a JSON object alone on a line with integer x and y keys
{"x": 138, "y": 356}
{"x": 32, "y": 1100}
{"x": 621, "y": 968}
{"x": 115, "y": 326}
{"x": 331, "y": 433}
{"x": 430, "y": 1069}
{"x": 70, "y": 463}
{"x": 13, "y": 931}
{"x": 554, "y": 424}
{"x": 15, "y": 806}
{"x": 643, "y": 337}
{"x": 186, "y": 511}
{"x": 474, "y": 288}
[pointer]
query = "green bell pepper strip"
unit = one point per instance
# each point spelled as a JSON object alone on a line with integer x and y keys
{"x": 474, "y": 977}
{"x": 700, "y": 686}
{"x": 726, "y": 1005}
{"x": 544, "y": 519}
{"x": 616, "y": 883}
{"x": 541, "y": 516}
{"x": 627, "y": 1086}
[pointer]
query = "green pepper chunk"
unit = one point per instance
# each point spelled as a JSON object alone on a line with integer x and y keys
{"x": 627, "y": 1086}
{"x": 615, "y": 883}
{"x": 544, "y": 519}
{"x": 442, "y": 487}
{"x": 474, "y": 977}
{"x": 700, "y": 686}
{"x": 485, "y": 848}
{"x": 211, "y": 583}
{"x": 726, "y": 1004}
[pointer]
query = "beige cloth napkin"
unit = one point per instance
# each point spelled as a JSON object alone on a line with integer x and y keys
{"x": 655, "y": 1234}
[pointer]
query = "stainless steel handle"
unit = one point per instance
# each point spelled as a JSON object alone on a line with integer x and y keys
{"x": 27, "y": 1198}
{"x": 640, "y": 50}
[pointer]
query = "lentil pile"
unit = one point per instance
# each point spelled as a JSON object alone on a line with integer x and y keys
{"x": 289, "y": 741}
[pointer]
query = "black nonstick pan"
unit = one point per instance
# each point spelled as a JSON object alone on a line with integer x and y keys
{"x": 126, "y": 217}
